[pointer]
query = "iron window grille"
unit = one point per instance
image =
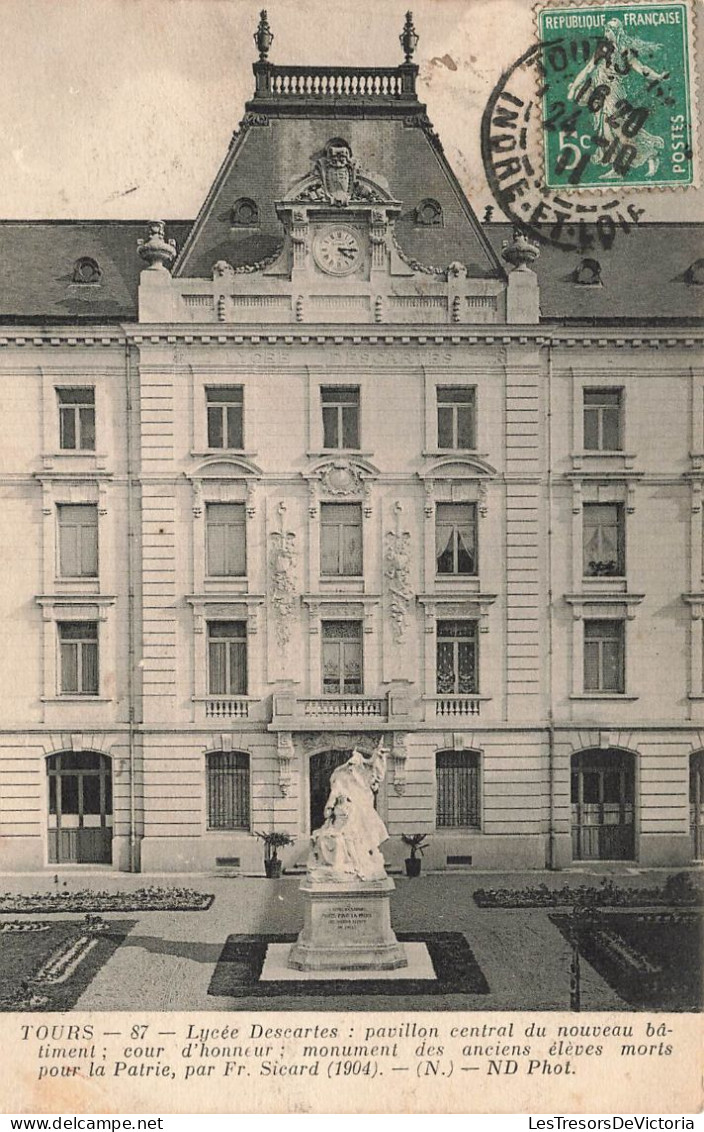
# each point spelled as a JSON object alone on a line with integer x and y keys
{"x": 228, "y": 790}
{"x": 342, "y": 658}
{"x": 457, "y": 658}
{"x": 457, "y": 789}
{"x": 603, "y": 538}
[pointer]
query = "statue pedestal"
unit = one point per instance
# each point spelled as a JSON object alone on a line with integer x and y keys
{"x": 347, "y": 927}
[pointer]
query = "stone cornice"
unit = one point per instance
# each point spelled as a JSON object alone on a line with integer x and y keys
{"x": 351, "y": 334}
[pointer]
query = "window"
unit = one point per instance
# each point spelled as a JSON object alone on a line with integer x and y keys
{"x": 456, "y": 416}
{"x": 342, "y": 658}
{"x": 604, "y": 656}
{"x": 227, "y": 658}
{"x": 78, "y": 540}
{"x": 456, "y": 538}
{"x": 457, "y": 648}
{"x": 588, "y": 273}
{"x": 244, "y": 214}
{"x": 77, "y": 418}
{"x": 78, "y": 646}
{"x": 86, "y": 270}
{"x": 340, "y": 416}
{"x": 228, "y": 789}
{"x": 225, "y": 405}
{"x": 457, "y": 778}
{"x": 428, "y": 214}
{"x": 603, "y": 540}
{"x": 340, "y": 539}
{"x": 602, "y": 420}
{"x": 226, "y": 547}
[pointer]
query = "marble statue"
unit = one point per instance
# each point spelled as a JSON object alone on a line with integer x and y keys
{"x": 346, "y": 847}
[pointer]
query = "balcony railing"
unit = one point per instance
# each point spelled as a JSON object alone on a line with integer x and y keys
{"x": 346, "y": 707}
{"x": 227, "y": 707}
{"x": 456, "y": 706}
{"x": 280, "y": 83}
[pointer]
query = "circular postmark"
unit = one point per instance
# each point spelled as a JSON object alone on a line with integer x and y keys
{"x": 512, "y": 138}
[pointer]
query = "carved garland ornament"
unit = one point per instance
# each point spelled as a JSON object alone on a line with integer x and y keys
{"x": 282, "y": 561}
{"x": 397, "y": 574}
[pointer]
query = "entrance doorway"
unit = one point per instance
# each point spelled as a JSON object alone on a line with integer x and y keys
{"x": 80, "y": 808}
{"x": 696, "y": 804}
{"x": 321, "y": 767}
{"x": 603, "y": 794}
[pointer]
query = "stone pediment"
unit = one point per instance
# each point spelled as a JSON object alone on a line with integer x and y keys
{"x": 458, "y": 467}
{"x": 225, "y": 467}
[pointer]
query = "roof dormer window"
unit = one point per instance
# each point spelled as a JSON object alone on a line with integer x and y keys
{"x": 428, "y": 214}
{"x": 588, "y": 273}
{"x": 244, "y": 213}
{"x": 86, "y": 270}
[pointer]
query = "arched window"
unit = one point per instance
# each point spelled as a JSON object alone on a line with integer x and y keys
{"x": 588, "y": 274}
{"x": 80, "y": 807}
{"x": 86, "y": 270}
{"x": 429, "y": 214}
{"x": 244, "y": 214}
{"x": 603, "y": 804}
{"x": 228, "y": 789}
{"x": 457, "y": 780}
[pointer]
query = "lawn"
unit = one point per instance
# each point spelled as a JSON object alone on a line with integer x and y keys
{"x": 47, "y": 966}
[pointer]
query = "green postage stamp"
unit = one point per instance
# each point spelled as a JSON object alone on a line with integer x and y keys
{"x": 617, "y": 96}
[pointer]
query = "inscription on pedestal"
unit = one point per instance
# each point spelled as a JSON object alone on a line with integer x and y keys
{"x": 346, "y": 917}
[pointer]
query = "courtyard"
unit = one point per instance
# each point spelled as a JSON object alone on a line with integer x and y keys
{"x": 485, "y": 957}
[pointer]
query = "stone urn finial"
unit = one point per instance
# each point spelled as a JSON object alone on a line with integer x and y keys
{"x": 158, "y": 252}
{"x": 519, "y": 251}
{"x": 263, "y": 37}
{"x": 409, "y": 38}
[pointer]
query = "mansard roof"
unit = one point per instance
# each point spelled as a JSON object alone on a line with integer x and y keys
{"x": 646, "y": 276}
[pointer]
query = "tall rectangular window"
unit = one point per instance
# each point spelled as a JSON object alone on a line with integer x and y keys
{"x": 340, "y": 416}
{"x": 78, "y": 658}
{"x": 225, "y": 534}
{"x": 457, "y": 780}
{"x": 603, "y": 540}
{"x": 456, "y": 538}
{"x": 457, "y": 658}
{"x": 456, "y": 416}
{"x": 78, "y": 540}
{"x": 77, "y": 418}
{"x": 227, "y": 658}
{"x": 603, "y": 431}
{"x": 604, "y": 656}
{"x": 340, "y": 539}
{"x": 228, "y": 789}
{"x": 225, "y": 406}
{"x": 342, "y": 658}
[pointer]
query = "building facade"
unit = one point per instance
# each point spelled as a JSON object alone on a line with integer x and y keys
{"x": 336, "y": 464}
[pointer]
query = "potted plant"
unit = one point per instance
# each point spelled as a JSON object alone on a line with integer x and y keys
{"x": 273, "y": 841}
{"x": 416, "y": 843}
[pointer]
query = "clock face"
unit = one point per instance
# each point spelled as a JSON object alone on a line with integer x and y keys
{"x": 337, "y": 250}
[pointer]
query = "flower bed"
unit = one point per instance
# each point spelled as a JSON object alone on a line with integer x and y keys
{"x": 153, "y": 899}
{"x": 678, "y": 891}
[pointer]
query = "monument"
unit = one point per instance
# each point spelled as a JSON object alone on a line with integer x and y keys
{"x": 347, "y": 893}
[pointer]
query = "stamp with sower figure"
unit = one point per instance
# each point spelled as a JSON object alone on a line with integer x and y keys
{"x": 616, "y": 95}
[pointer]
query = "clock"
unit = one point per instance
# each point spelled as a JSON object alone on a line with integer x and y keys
{"x": 337, "y": 250}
